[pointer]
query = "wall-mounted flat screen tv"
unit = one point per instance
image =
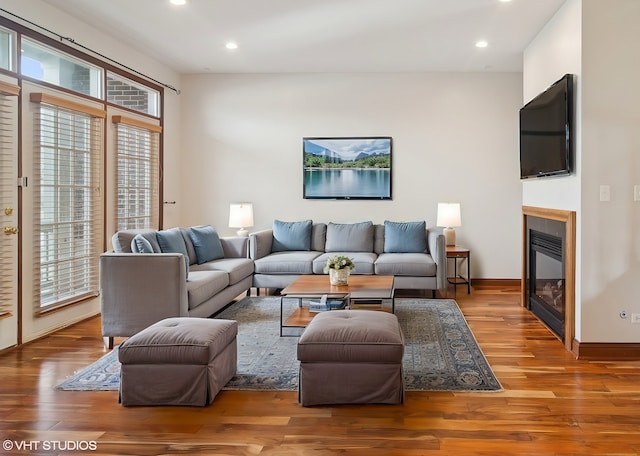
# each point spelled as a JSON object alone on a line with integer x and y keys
{"x": 347, "y": 168}
{"x": 546, "y": 132}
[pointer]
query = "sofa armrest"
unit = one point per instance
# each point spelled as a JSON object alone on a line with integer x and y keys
{"x": 438, "y": 251}
{"x": 260, "y": 244}
{"x": 235, "y": 246}
{"x": 139, "y": 289}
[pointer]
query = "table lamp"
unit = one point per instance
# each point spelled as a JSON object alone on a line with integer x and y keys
{"x": 448, "y": 217}
{"x": 241, "y": 216}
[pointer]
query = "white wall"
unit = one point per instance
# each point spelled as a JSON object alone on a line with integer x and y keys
{"x": 611, "y": 143}
{"x": 555, "y": 51}
{"x": 454, "y": 139}
{"x": 44, "y": 15}
{"x": 596, "y": 39}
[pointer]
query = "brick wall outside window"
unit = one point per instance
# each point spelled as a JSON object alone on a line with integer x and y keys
{"x": 125, "y": 95}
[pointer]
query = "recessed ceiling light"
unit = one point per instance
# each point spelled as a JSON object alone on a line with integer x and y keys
{"x": 505, "y": 1}
{"x": 178, "y": 2}
{"x": 481, "y": 44}
{"x": 231, "y": 45}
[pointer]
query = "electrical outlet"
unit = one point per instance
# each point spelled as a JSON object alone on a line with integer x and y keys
{"x": 605, "y": 193}
{"x": 635, "y": 318}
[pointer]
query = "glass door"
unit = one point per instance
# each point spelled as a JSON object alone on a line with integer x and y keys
{"x": 9, "y": 324}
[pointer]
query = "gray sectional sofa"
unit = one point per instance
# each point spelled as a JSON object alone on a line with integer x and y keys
{"x": 410, "y": 251}
{"x": 181, "y": 272}
{"x": 192, "y": 272}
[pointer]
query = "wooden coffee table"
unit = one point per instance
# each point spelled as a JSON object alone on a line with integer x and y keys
{"x": 363, "y": 290}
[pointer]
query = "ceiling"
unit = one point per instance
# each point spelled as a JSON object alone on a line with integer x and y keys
{"x": 283, "y": 36}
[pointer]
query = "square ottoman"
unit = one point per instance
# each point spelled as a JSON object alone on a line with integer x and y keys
{"x": 178, "y": 361}
{"x": 351, "y": 357}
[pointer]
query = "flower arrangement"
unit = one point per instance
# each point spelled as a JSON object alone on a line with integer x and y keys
{"x": 339, "y": 262}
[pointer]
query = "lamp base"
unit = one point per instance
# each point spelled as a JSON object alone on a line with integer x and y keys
{"x": 242, "y": 232}
{"x": 449, "y": 236}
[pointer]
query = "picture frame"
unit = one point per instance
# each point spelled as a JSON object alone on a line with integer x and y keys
{"x": 348, "y": 168}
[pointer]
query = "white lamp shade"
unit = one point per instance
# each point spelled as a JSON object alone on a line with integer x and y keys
{"x": 240, "y": 215}
{"x": 448, "y": 215}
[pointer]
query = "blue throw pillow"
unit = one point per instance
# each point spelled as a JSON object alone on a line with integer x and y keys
{"x": 405, "y": 237}
{"x": 289, "y": 236}
{"x": 207, "y": 243}
{"x": 171, "y": 241}
{"x": 140, "y": 244}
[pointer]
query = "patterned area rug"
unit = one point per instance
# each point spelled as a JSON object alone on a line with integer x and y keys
{"x": 441, "y": 353}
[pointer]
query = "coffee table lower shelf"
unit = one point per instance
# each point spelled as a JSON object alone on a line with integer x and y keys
{"x": 302, "y": 316}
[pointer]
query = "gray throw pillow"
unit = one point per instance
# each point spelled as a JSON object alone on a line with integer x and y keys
{"x": 291, "y": 236}
{"x": 140, "y": 244}
{"x": 171, "y": 241}
{"x": 350, "y": 237}
{"x": 405, "y": 237}
{"x": 206, "y": 243}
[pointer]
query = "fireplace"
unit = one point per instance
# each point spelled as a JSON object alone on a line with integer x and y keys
{"x": 547, "y": 280}
{"x": 549, "y": 269}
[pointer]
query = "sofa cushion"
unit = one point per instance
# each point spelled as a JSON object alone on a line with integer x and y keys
{"x": 405, "y": 264}
{"x": 318, "y": 236}
{"x": 349, "y": 237}
{"x": 286, "y": 263}
{"x": 378, "y": 238}
{"x": 405, "y": 237}
{"x": 364, "y": 261}
{"x": 139, "y": 244}
{"x": 206, "y": 243}
{"x": 237, "y": 268}
{"x": 291, "y": 236}
{"x": 121, "y": 241}
{"x": 191, "y": 251}
{"x": 202, "y": 285}
{"x": 171, "y": 241}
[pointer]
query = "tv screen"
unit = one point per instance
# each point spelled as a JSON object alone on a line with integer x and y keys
{"x": 546, "y": 124}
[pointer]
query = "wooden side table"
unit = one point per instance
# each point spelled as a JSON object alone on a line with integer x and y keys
{"x": 457, "y": 252}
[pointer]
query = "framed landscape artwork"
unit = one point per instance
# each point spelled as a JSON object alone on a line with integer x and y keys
{"x": 347, "y": 168}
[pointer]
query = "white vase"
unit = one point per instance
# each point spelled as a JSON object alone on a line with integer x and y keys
{"x": 339, "y": 276}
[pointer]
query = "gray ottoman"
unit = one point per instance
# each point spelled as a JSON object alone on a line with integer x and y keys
{"x": 178, "y": 361}
{"x": 351, "y": 357}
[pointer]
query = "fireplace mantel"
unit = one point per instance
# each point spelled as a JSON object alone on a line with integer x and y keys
{"x": 569, "y": 220}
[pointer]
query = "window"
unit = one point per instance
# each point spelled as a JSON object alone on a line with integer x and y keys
{"x": 55, "y": 67}
{"x": 126, "y": 93}
{"x": 67, "y": 207}
{"x": 137, "y": 156}
{"x": 7, "y": 49}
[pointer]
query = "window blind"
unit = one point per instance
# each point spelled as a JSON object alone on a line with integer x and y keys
{"x": 8, "y": 199}
{"x": 137, "y": 156}
{"x": 68, "y": 216}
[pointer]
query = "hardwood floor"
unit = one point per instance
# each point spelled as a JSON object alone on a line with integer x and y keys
{"x": 552, "y": 404}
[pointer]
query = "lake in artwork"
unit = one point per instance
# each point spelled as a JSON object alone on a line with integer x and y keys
{"x": 347, "y": 183}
